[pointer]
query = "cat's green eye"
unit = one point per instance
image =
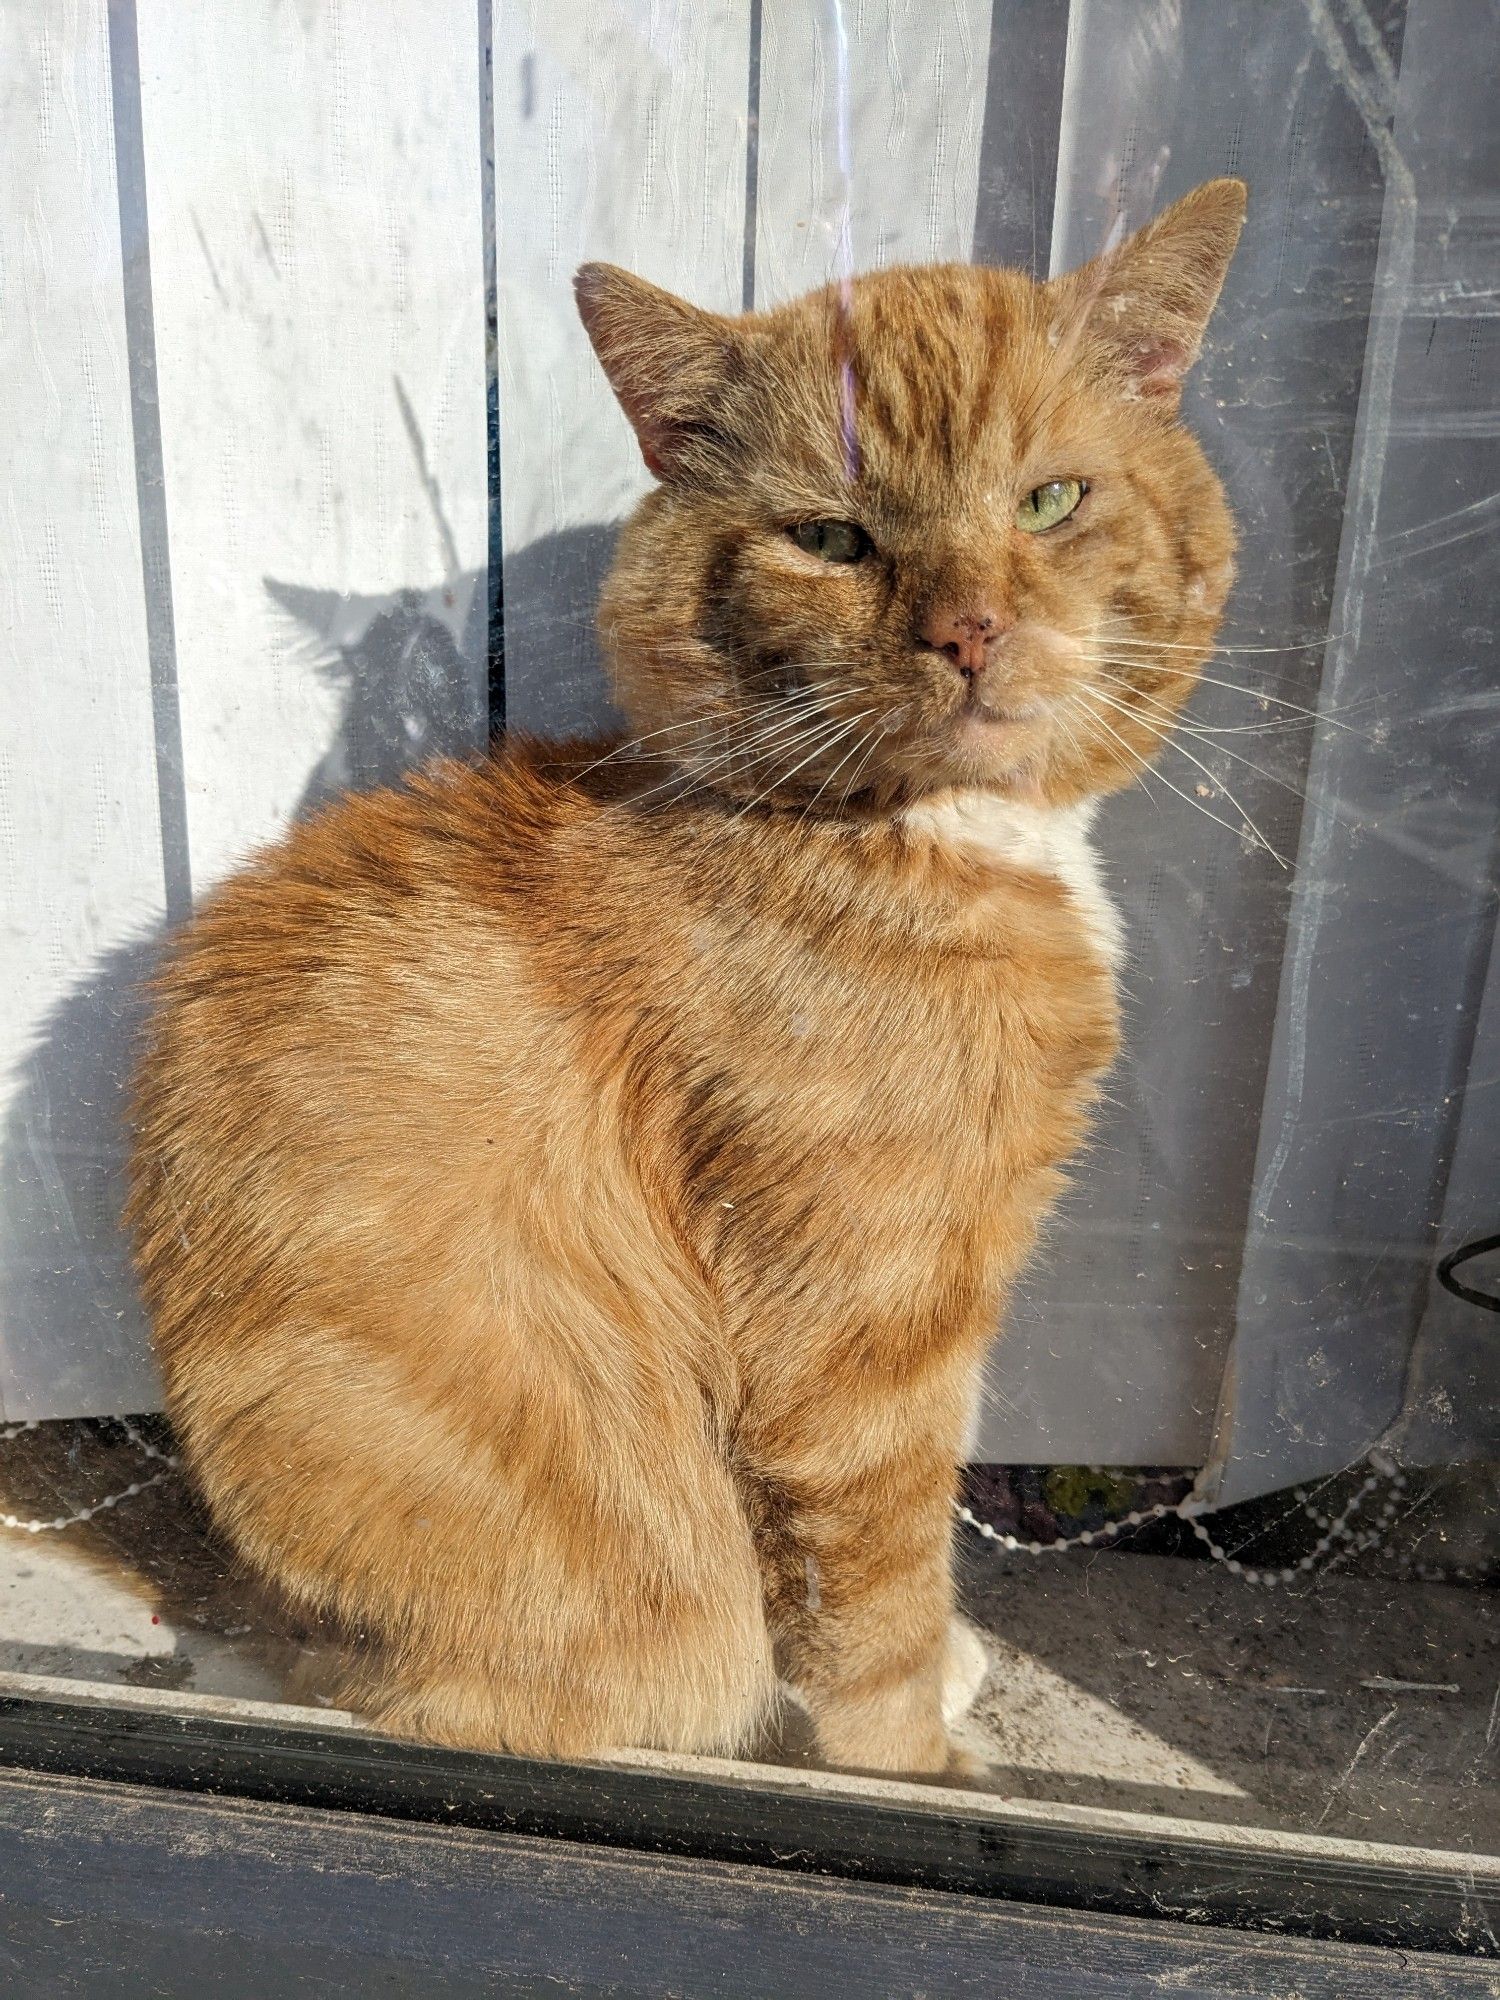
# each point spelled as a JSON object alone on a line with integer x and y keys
{"x": 1048, "y": 504}
{"x": 834, "y": 541}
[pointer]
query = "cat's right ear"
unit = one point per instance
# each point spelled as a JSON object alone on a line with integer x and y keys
{"x": 671, "y": 364}
{"x": 1147, "y": 303}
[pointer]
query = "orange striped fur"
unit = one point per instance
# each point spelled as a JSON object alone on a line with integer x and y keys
{"x": 574, "y": 1192}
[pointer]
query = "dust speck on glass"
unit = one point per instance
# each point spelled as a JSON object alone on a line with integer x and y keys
{"x": 314, "y": 476}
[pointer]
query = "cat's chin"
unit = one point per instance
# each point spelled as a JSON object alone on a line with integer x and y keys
{"x": 995, "y": 750}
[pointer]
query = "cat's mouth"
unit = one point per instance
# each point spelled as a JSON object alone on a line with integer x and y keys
{"x": 992, "y": 730}
{"x": 979, "y": 714}
{"x": 991, "y": 742}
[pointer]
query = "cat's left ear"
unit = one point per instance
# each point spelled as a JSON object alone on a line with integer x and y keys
{"x": 673, "y": 366}
{"x": 1146, "y": 305}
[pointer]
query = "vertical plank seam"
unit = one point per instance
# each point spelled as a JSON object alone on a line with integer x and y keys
{"x": 150, "y": 479}
{"x": 1060, "y": 255}
{"x": 752, "y": 158}
{"x": 1025, "y": 71}
{"x": 495, "y": 540}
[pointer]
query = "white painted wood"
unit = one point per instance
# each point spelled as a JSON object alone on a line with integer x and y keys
{"x": 620, "y": 134}
{"x": 871, "y": 117}
{"x": 314, "y": 181}
{"x": 80, "y": 850}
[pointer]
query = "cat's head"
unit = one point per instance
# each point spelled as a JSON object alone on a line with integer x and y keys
{"x": 938, "y": 526}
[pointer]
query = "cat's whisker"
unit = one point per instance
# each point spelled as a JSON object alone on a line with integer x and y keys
{"x": 1235, "y": 687}
{"x": 751, "y": 748}
{"x": 1333, "y": 717}
{"x": 1059, "y": 370}
{"x": 1176, "y": 713}
{"x": 759, "y": 749}
{"x": 1165, "y": 734}
{"x": 722, "y": 724}
{"x": 1181, "y": 646}
{"x": 811, "y": 709}
{"x": 1074, "y": 744}
{"x": 1145, "y": 652}
{"x": 733, "y": 741}
{"x": 1206, "y": 732}
{"x": 1143, "y": 770}
{"x": 1168, "y": 734}
{"x": 743, "y": 757}
{"x": 840, "y": 729}
{"x": 821, "y": 737}
{"x": 1137, "y": 663}
{"x": 1197, "y": 804}
{"x": 635, "y": 742}
{"x": 851, "y": 783}
{"x": 1066, "y": 391}
{"x": 873, "y": 735}
{"x": 1210, "y": 732}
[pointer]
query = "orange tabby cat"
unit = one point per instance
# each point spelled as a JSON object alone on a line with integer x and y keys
{"x": 575, "y": 1191}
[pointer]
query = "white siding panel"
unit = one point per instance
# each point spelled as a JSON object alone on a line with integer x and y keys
{"x": 314, "y": 183}
{"x": 619, "y": 135}
{"x": 80, "y": 848}
{"x": 870, "y": 126}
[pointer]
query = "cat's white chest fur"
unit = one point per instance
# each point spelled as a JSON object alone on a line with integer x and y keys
{"x": 1049, "y": 840}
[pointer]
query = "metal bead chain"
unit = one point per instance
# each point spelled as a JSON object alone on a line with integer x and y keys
{"x": 145, "y": 1447}
{"x": 167, "y": 1460}
{"x": 1336, "y": 1528}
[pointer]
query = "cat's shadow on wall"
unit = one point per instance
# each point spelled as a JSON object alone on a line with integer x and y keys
{"x": 410, "y": 670}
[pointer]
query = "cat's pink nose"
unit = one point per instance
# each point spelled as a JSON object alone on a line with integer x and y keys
{"x": 964, "y": 638}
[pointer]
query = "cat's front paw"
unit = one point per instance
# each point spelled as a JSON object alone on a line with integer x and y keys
{"x": 968, "y": 1664}
{"x": 963, "y": 1764}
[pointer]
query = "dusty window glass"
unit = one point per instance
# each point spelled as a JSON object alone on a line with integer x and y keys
{"x": 312, "y": 474}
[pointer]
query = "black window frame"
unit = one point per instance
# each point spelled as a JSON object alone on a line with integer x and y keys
{"x": 981, "y": 1881}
